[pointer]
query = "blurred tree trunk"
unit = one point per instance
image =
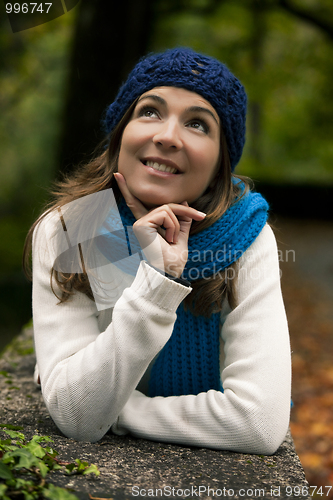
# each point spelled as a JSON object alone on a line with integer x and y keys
{"x": 256, "y": 46}
{"x": 109, "y": 39}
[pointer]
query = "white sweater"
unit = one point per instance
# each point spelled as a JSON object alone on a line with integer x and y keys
{"x": 90, "y": 362}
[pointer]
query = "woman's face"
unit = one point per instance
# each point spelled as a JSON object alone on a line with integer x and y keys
{"x": 170, "y": 148}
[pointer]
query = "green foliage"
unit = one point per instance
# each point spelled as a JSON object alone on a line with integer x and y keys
{"x": 32, "y": 79}
{"x": 33, "y": 69}
{"x": 286, "y": 65}
{"x": 24, "y": 466}
{"x": 32, "y": 84}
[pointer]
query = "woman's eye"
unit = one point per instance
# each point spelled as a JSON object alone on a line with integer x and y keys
{"x": 199, "y": 125}
{"x": 148, "y": 112}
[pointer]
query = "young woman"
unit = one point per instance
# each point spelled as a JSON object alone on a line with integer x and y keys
{"x": 194, "y": 349}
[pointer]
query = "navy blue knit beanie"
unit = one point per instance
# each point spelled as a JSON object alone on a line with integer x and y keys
{"x": 182, "y": 67}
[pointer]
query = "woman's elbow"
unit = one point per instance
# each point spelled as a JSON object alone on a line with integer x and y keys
{"x": 267, "y": 444}
{"x": 256, "y": 430}
{"x": 80, "y": 430}
{"x": 87, "y": 436}
{"x": 267, "y": 433}
{"x": 75, "y": 422}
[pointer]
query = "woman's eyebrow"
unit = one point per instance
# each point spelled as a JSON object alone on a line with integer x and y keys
{"x": 157, "y": 98}
{"x": 199, "y": 109}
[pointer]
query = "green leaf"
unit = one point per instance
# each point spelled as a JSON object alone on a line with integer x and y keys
{"x": 92, "y": 469}
{"x": 21, "y": 484}
{"x": 81, "y": 466}
{"x": 42, "y": 439}
{"x": 14, "y": 434}
{"x": 5, "y": 442}
{"x": 36, "y": 449}
{"x": 24, "y": 488}
{"x": 53, "y": 453}
{"x": 3, "y": 489}
{"x": 29, "y": 496}
{"x": 56, "y": 493}
{"x": 8, "y": 447}
{"x": 5, "y": 472}
{"x": 22, "y": 457}
{"x": 12, "y": 427}
{"x": 32, "y": 459}
{"x": 56, "y": 467}
{"x": 70, "y": 467}
{"x": 43, "y": 468}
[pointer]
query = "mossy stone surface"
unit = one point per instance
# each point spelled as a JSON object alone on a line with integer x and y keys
{"x": 139, "y": 468}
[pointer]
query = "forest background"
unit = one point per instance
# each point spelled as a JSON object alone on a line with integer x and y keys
{"x": 57, "y": 78}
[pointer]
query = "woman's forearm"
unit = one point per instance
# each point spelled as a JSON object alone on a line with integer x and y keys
{"x": 88, "y": 376}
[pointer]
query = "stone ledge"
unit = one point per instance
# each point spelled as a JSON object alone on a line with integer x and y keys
{"x": 129, "y": 465}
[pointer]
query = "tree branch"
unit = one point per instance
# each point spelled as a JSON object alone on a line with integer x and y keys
{"x": 307, "y": 16}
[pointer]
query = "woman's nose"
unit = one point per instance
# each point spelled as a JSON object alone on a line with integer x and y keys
{"x": 168, "y": 135}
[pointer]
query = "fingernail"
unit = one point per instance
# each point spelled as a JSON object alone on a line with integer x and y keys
{"x": 202, "y": 213}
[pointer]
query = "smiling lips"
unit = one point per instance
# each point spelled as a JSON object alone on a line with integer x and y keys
{"x": 161, "y": 165}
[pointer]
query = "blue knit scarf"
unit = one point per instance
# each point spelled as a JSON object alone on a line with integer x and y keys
{"x": 189, "y": 362}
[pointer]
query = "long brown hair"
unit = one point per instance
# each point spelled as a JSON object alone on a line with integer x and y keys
{"x": 97, "y": 175}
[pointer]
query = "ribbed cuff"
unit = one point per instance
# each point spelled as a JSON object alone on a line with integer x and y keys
{"x": 162, "y": 291}
{"x": 182, "y": 281}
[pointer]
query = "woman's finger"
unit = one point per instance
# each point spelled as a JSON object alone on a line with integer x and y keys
{"x": 161, "y": 217}
{"x": 171, "y": 224}
{"x": 133, "y": 203}
{"x": 181, "y": 210}
{"x": 185, "y": 222}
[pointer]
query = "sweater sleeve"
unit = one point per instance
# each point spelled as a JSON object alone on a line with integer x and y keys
{"x": 252, "y": 414}
{"x": 88, "y": 375}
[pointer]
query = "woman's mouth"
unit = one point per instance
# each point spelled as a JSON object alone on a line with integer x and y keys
{"x": 160, "y": 167}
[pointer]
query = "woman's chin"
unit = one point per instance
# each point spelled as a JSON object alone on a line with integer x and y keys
{"x": 150, "y": 205}
{"x": 153, "y": 201}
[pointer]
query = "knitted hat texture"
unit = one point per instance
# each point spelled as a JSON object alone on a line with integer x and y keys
{"x": 184, "y": 68}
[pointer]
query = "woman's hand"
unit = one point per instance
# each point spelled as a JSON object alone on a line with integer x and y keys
{"x": 166, "y": 249}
